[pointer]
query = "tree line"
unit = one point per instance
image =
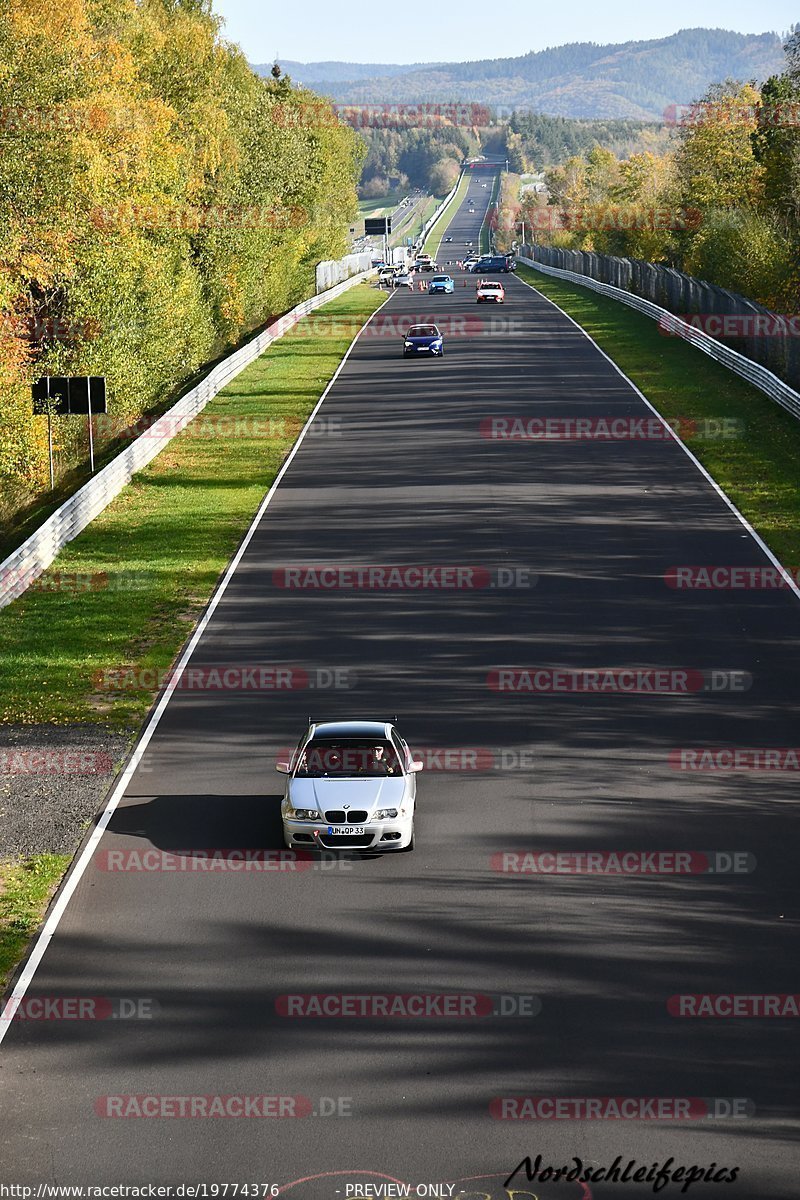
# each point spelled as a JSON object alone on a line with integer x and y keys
{"x": 722, "y": 203}
{"x": 158, "y": 201}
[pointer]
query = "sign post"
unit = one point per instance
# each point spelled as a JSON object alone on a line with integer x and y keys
{"x": 379, "y": 226}
{"x": 66, "y": 395}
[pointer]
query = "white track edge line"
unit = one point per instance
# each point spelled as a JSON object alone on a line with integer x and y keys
{"x": 709, "y": 478}
{"x": 50, "y": 926}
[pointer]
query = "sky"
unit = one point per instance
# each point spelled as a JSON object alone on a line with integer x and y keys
{"x": 460, "y": 30}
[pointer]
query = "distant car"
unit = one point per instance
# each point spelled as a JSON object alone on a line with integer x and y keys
{"x": 423, "y": 339}
{"x": 350, "y": 785}
{"x": 493, "y": 262}
{"x": 441, "y": 283}
{"x": 403, "y": 279}
{"x": 489, "y": 290}
{"x": 448, "y": 239}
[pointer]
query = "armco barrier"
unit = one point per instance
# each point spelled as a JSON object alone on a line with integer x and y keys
{"x": 753, "y": 372}
{"x": 687, "y": 296}
{"x": 35, "y": 555}
{"x": 429, "y": 224}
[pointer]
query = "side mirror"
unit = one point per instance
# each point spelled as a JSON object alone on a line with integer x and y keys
{"x": 416, "y": 765}
{"x": 282, "y": 767}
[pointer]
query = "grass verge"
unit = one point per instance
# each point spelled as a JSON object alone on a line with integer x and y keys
{"x": 121, "y": 599}
{"x": 377, "y": 205}
{"x": 485, "y": 235}
{"x": 25, "y": 890}
{"x": 753, "y": 458}
{"x": 433, "y": 241}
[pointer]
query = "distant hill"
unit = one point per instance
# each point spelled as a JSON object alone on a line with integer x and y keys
{"x": 311, "y": 74}
{"x": 633, "y": 80}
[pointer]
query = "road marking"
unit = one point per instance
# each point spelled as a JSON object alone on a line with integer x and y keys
{"x": 739, "y": 516}
{"x": 73, "y": 879}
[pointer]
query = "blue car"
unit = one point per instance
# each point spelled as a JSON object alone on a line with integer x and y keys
{"x": 441, "y": 283}
{"x": 423, "y": 339}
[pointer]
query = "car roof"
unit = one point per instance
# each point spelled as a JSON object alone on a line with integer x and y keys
{"x": 352, "y": 729}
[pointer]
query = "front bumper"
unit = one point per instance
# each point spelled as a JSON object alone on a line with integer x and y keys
{"x": 377, "y": 835}
{"x": 422, "y": 349}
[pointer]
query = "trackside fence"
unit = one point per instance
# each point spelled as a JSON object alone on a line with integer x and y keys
{"x": 36, "y": 554}
{"x": 429, "y": 224}
{"x": 762, "y": 336}
{"x": 756, "y": 374}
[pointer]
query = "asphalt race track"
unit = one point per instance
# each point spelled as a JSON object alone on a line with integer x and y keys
{"x": 580, "y": 967}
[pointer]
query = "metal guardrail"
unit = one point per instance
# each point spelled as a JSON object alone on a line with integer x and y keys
{"x": 36, "y": 554}
{"x": 753, "y": 372}
{"x": 429, "y": 224}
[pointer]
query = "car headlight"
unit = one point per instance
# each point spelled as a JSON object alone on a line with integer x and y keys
{"x": 304, "y": 814}
{"x": 384, "y": 814}
{"x": 409, "y": 344}
{"x": 436, "y": 342}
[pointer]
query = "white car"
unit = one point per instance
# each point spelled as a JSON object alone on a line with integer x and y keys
{"x": 351, "y": 785}
{"x": 487, "y": 289}
{"x": 403, "y": 279}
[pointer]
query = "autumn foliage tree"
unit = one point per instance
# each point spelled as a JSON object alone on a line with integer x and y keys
{"x": 158, "y": 200}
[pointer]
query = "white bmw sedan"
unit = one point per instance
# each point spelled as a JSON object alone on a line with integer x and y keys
{"x": 351, "y": 785}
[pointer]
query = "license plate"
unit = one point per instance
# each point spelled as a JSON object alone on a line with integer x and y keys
{"x": 344, "y": 830}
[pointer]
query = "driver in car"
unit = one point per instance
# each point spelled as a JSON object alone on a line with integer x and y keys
{"x": 380, "y": 762}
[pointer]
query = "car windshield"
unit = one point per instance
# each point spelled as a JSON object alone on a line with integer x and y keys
{"x": 348, "y": 759}
{"x": 423, "y": 331}
{"x": 491, "y": 287}
{"x": 441, "y": 278}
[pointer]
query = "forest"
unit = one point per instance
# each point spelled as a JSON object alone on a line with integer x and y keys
{"x": 158, "y": 201}
{"x": 722, "y": 203}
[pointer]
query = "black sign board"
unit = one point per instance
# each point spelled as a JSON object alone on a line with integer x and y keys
{"x": 381, "y": 225}
{"x": 65, "y": 395}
